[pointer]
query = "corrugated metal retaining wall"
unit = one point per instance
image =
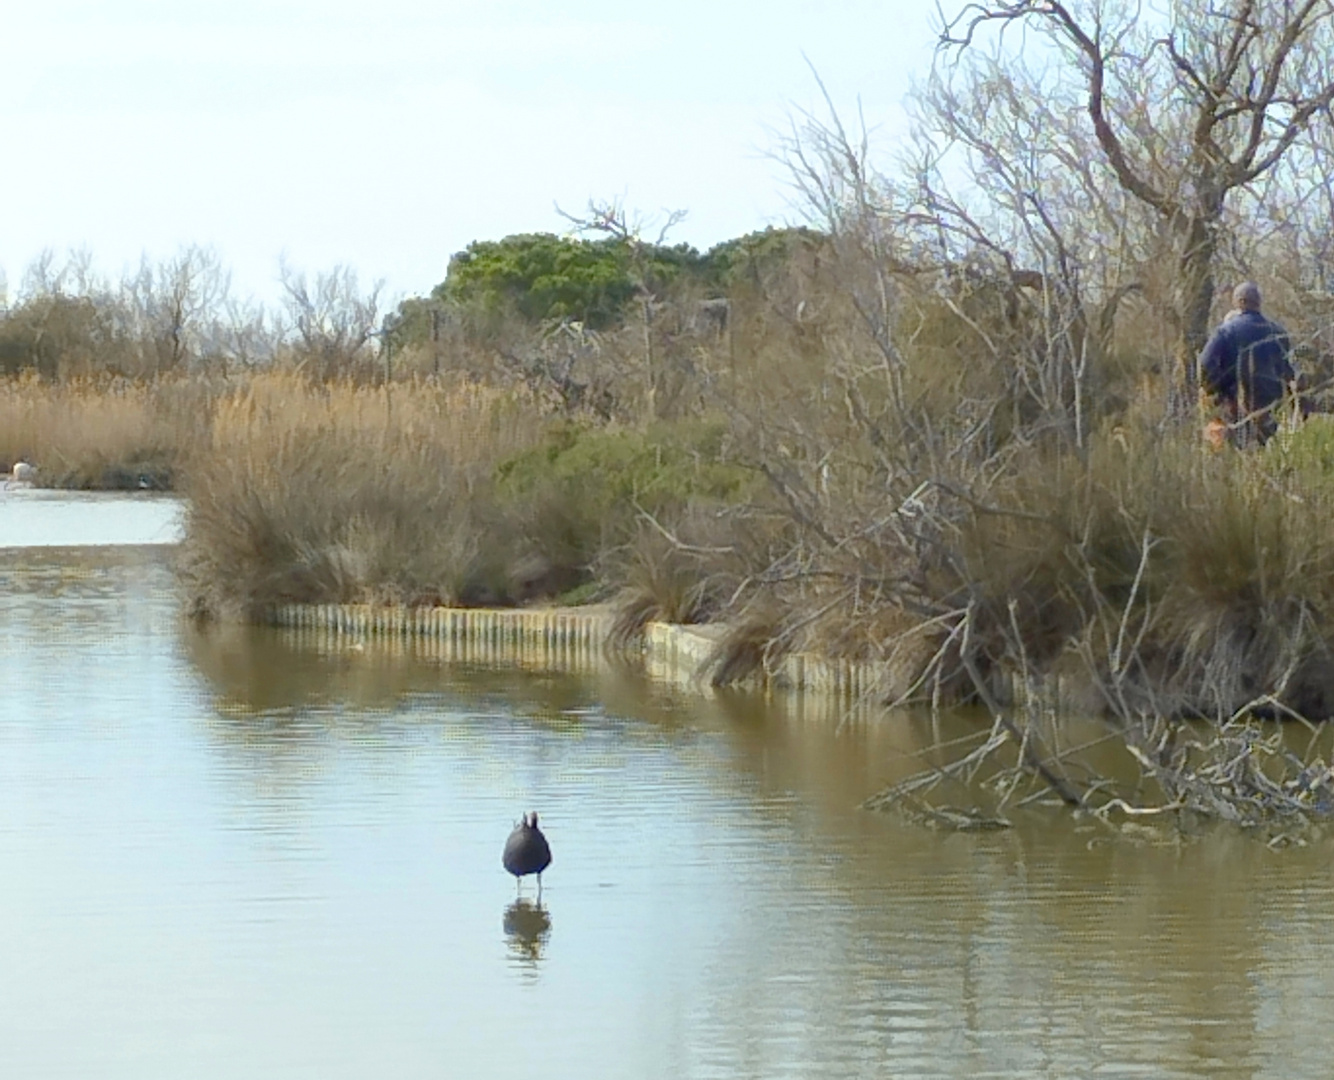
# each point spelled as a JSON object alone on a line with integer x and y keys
{"x": 570, "y": 639}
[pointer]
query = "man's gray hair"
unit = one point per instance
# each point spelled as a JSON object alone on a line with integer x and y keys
{"x": 1246, "y": 296}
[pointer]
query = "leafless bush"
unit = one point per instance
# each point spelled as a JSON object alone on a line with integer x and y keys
{"x": 168, "y": 307}
{"x": 333, "y": 319}
{"x": 685, "y": 571}
{"x": 982, "y": 487}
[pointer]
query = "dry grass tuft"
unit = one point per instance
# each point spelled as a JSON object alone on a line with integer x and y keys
{"x": 343, "y": 493}
{"x": 686, "y": 573}
{"x": 750, "y": 646}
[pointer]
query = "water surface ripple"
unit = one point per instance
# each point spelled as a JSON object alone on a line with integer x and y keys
{"x": 224, "y": 855}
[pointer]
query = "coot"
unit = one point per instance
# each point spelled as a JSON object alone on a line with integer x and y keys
{"x": 526, "y": 851}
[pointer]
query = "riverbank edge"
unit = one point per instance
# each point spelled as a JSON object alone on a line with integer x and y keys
{"x": 565, "y": 638}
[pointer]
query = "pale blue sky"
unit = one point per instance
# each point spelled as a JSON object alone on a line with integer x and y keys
{"x": 387, "y": 134}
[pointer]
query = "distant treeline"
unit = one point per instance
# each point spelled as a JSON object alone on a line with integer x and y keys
{"x": 180, "y": 315}
{"x": 541, "y": 276}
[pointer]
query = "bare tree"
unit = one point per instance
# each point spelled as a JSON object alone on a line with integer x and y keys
{"x": 75, "y": 276}
{"x": 1186, "y": 108}
{"x": 610, "y": 219}
{"x": 1280, "y": 233}
{"x": 932, "y": 522}
{"x": 173, "y": 302}
{"x": 70, "y": 319}
{"x": 241, "y": 334}
{"x": 334, "y": 319}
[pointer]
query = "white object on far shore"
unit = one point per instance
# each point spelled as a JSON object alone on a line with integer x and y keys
{"x": 23, "y": 475}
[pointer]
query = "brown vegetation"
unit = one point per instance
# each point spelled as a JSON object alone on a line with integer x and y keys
{"x": 945, "y": 432}
{"x": 338, "y": 493}
{"x": 103, "y": 432}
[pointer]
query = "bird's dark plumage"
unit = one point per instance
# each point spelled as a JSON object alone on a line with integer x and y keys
{"x": 526, "y": 851}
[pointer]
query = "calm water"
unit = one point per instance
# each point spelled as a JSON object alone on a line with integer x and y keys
{"x": 41, "y": 518}
{"x": 223, "y": 855}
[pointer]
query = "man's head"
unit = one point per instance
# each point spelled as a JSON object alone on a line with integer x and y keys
{"x": 1246, "y": 296}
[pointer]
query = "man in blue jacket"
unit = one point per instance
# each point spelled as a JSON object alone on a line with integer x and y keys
{"x": 1246, "y": 367}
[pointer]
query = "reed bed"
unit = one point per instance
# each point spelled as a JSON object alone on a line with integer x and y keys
{"x": 338, "y": 492}
{"x": 103, "y": 432}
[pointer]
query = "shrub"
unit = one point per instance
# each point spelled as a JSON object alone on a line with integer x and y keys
{"x": 345, "y": 494}
{"x": 578, "y": 494}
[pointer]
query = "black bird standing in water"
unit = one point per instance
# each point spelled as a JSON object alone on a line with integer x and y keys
{"x": 526, "y": 851}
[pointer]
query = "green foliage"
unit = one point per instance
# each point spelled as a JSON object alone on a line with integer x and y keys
{"x": 539, "y": 276}
{"x": 530, "y": 278}
{"x": 756, "y": 255}
{"x": 413, "y": 326}
{"x": 1309, "y": 450}
{"x": 578, "y": 494}
{"x": 613, "y": 470}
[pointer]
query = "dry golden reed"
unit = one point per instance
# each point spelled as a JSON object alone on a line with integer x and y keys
{"x": 101, "y": 432}
{"x": 342, "y": 492}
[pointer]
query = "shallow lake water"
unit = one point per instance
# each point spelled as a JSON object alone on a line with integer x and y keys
{"x": 231, "y": 853}
{"x": 36, "y": 517}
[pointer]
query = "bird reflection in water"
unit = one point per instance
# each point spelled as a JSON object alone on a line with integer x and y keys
{"x": 528, "y": 927}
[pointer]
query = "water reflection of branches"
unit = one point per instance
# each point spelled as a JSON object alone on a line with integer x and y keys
{"x": 1246, "y": 771}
